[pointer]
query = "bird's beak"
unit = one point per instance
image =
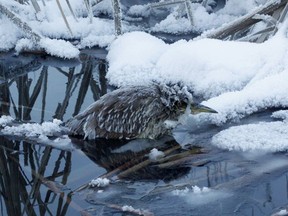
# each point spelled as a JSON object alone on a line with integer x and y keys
{"x": 198, "y": 108}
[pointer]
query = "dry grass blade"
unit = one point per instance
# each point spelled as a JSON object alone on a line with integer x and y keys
{"x": 71, "y": 10}
{"x": 165, "y": 3}
{"x": 181, "y": 155}
{"x": 86, "y": 69}
{"x": 36, "y": 5}
{"x": 53, "y": 186}
{"x": 64, "y": 17}
{"x": 176, "y": 163}
{"x": 189, "y": 11}
{"x": 131, "y": 166}
{"x": 144, "y": 163}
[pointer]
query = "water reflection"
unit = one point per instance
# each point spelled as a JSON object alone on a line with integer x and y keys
{"x": 25, "y": 171}
{"x": 39, "y": 88}
{"x": 41, "y": 84}
{"x": 126, "y": 159}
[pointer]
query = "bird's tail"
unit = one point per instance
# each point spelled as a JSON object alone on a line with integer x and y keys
{"x": 82, "y": 126}
{"x": 75, "y": 126}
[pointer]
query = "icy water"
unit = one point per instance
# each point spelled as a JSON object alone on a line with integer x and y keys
{"x": 38, "y": 179}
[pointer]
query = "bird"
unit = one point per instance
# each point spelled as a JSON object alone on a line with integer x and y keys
{"x": 135, "y": 112}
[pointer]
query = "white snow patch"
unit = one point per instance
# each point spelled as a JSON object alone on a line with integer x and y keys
{"x": 281, "y": 114}
{"x": 139, "y": 10}
{"x": 155, "y": 154}
{"x": 264, "y": 136}
{"x": 181, "y": 192}
{"x": 4, "y": 120}
{"x": 173, "y": 24}
{"x": 24, "y": 44}
{"x": 200, "y": 196}
{"x": 59, "y": 48}
{"x": 132, "y": 58}
{"x": 9, "y": 34}
{"x": 131, "y": 209}
{"x": 195, "y": 189}
{"x": 62, "y": 142}
{"x": 99, "y": 182}
{"x": 40, "y": 131}
{"x": 283, "y": 212}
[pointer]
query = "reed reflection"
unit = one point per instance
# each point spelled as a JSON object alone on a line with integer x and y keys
{"x": 34, "y": 177}
{"x": 27, "y": 82}
{"x": 31, "y": 179}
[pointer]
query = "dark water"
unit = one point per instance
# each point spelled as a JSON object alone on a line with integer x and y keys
{"x": 39, "y": 179}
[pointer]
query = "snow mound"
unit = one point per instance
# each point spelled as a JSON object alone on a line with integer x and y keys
{"x": 281, "y": 114}
{"x": 59, "y": 48}
{"x": 236, "y": 78}
{"x": 263, "y": 136}
{"x": 132, "y": 58}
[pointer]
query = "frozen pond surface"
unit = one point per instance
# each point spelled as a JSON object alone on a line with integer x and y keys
{"x": 38, "y": 179}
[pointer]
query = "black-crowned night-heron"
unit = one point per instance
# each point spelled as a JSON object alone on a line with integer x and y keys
{"x": 134, "y": 112}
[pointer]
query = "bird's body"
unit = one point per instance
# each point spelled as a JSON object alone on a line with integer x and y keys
{"x": 132, "y": 112}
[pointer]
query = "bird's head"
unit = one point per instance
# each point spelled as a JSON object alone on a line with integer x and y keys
{"x": 177, "y": 97}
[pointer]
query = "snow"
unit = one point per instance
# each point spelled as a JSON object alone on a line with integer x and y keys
{"x": 4, "y": 120}
{"x": 283, "y": 212}
{"x": 200, "y": 196}
{"x": 41, "y": 131}
{"x": 60, "y": 48}
{"x": 281, "y": 114}
{"x": 8, "y": 38}
{"x": 99, "y": 182}
{"x": 263, "y": 136}
{"x": 203, "y": 20}
{"x": 155, "y": 154}
{"x": 49, "y": 23}
{"x": 195, "y": 190}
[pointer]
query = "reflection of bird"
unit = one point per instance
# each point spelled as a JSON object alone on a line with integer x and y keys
{"x": 134, "y": 112}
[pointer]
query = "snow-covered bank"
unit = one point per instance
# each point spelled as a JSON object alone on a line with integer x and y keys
{"x": 36, "y": 132}
{"x": 235, "y": 78}
{"x": 49, "y": 24}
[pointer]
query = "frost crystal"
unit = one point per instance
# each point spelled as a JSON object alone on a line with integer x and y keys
{"x": 155, "y": 154}
{"x": 99, "y": 182}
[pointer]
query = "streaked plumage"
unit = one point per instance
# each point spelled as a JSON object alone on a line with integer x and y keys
{"x": 133, "y": 112}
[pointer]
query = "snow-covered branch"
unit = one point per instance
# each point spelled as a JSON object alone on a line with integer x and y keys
{"x": 117, "y": 16}
{"x": 245, "y": 21}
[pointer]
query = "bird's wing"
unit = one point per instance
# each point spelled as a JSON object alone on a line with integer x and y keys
{"x": 127, "y": 113}
{"x": 122, "y": 113}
